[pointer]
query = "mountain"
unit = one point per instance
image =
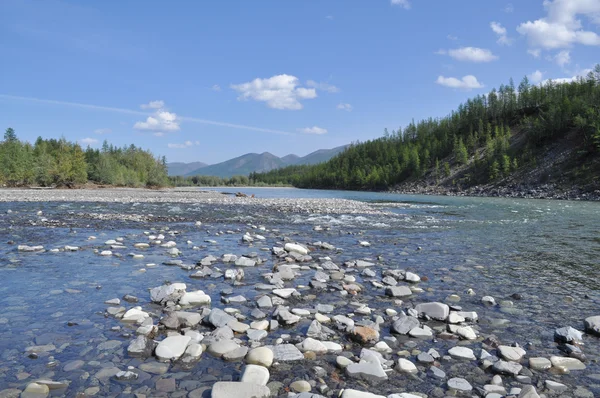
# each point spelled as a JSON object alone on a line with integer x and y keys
{"x": 320, "y": 156}
{"x": 181, "y": 169}
{"x": 290, "y": 159}
{"x": 242, "y": 165}
{"x": 251, "y": 162}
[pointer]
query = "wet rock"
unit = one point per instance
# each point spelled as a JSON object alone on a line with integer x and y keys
{"x": 126, "y": 375}
{"x": 155, "y": 368}
{"x": 554, "y": 386}
{"x": 286, "y": 352}
{"x": 293, "y": 247}
{"x": 141, "y": 346}
{"x": 511, "y": 353}
{"x": 188, "y": 319}
{"x": 195, "y": 298}
{"x": 436, "y": 373}
{"x": 228, "y": 389}
{"x": 406, "y": 366}
{"x": 245, "y": 262}
{"x": 459, "y": 385}
{"x": 568, "y": 363}
{"x": 437, "y": 311}
{"x": 170, "y": 321}
{"x": 540, "y": 363}
{"x": 135, "y": 315}
{"x": 256, "y": 335}
{"x": 462, "y": 353}
{"x": 166, "y": 385}
{"x": 398, "y": 291}
{"x": 370, "y": 371}
{"x": 219, "y": 318}
{"x": 164, "y": 293}
{"x": 172, "y": 347}
{"x": 285, "y": 293}
{"x": 255, "y": 374}
{"x": 592, "y": 325}
{"x": 35, "y": 390}
{"x": 568, "y": 335}
{"x": 260, "y": 356}
{"x": 300, "y": 386}
{"x": 507, "y": 368}
{"x": 404, "y": 324}
{"x": 365, "y": 334}
{"x": 236, "y": 355}
{"x": 310, "y": 344}
{"x": 219, "y": 348}
{"x": 528, "y": 391}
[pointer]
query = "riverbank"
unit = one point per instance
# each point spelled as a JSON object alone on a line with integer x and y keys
{"x": 544, "y": 191}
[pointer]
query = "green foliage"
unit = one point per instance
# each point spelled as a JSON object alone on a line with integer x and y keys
{"x": 542, "y": 112}
{"x": 63, "y": 163}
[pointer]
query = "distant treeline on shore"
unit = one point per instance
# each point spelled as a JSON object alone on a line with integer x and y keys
{"x": 60, "y": 163}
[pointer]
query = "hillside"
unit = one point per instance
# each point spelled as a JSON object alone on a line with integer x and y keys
{"x": 180, "y": 169}
{"x": 534, "y": 140}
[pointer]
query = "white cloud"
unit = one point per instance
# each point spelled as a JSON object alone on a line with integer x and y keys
{"x": 466, "y": 83}
{"x": 102, "y": 131}
{"x": 452, "y": 37}
{"x": 402, "y": 3}
{"x": 313, "y": 130}
{"x": 161, "y": 120}
{"x": 330, "y": 88}
{"x": 500, "y": 31}
{"x": 535, "y": 53}
{"x": 279, "y": 92}
{"x": 186, "y": 144}
{"x": 561, "y": 28}
{"x": 509, "y": 8}
{"x": 216, "y": 87}
{"x": 100, "y": 108}
{"x": 88, "y": 141}
{"x": 345, "y": 107}
{"x": 153, "y": 105}
{"x": 536, "y": 76}
{"x": 471, "y": 54}
{"x": 563, "y": 58}
{"x": 581, "y": 73}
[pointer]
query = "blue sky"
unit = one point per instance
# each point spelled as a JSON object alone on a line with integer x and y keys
{"x": 208, "y": 81}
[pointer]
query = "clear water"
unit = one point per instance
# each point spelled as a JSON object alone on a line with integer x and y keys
{"x": 548, "y": 251}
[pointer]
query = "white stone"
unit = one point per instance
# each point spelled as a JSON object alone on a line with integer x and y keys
{"x": 195, "y": 298}
{"x": 255, "y": 374}
{"x": 293, "y": 247}
{"x": 406, "y": 366}
{"x": 461, "y": 353}
{"x": 172, "y": 347}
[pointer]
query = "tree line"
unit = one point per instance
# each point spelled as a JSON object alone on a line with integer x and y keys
{"x": 60, "y": 163}
{"x": 479, "y": 133}
{"x": 214, "y": 181}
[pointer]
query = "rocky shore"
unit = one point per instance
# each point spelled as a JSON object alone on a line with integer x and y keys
{"x": 284, "y": 315}
{"x": 541, "y": 191}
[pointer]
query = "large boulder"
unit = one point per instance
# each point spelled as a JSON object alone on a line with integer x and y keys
{"x": 164, "y": 293}
{"x": 232, "y": 389}
{"x": 141, "y": 346}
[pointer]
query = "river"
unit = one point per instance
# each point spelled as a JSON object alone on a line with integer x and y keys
{"x": 539, "y": 259}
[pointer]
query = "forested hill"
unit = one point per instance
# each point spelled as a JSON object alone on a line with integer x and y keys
{"x": 530, "y": 134}
{"x": 65, "y": 164}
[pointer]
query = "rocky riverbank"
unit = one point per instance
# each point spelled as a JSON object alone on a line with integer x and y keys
{"x": 180, "y": 308}
{"x": 542, "y": 191}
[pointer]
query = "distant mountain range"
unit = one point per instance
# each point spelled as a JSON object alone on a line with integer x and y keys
{"x": 250, "y": 162}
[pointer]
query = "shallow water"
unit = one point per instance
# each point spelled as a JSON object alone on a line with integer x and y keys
{"x": 548, "y": 251}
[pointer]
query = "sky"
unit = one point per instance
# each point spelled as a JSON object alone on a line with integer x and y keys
{"x": 211, "y": 80}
